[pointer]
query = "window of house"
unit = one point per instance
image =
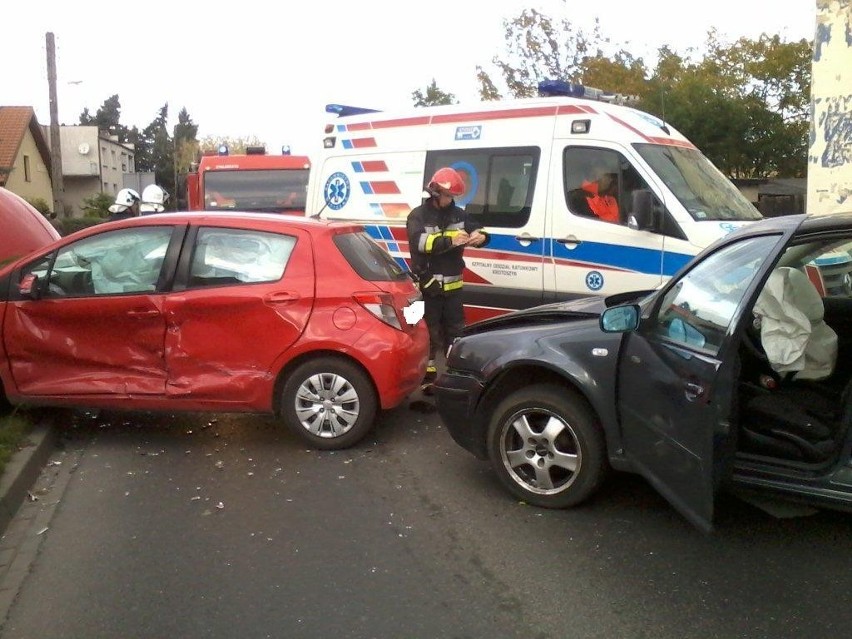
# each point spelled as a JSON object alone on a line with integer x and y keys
{"x": 499, "y": 182}
{"x": 27, "y": 174}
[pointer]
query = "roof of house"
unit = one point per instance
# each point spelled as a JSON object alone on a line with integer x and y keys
{"x": 14, "y": 123}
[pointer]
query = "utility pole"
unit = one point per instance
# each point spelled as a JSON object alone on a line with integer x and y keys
{"x": 55, "y": 144}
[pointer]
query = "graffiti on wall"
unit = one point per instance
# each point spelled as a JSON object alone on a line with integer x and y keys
{"x": 830, "y": 152}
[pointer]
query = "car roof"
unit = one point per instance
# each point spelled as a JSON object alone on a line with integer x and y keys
{"x": 801, "y": 224}
{"x": 238, "y": 218}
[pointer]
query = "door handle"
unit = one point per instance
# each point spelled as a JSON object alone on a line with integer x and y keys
{"x": 143, "y": 313}
{"x": 526, "y": 239}
{"x": 281, "y": 297}
{"x": 693, "y": 390}
{"x": 571, "y": 241}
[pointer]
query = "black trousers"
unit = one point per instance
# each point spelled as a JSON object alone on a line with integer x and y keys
{"x": 445, "y": 319}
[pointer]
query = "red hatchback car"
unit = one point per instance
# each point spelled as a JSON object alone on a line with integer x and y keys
{"x": 306, "y": 319}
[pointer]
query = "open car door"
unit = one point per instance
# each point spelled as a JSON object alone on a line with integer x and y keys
{"x": 678, "y": 374}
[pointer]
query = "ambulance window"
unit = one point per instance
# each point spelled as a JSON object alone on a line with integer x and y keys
{"x": 599, "y": 183}
{"x": 500, "y": 182}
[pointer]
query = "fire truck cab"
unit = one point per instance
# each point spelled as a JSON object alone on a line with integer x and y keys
{"x": 254, "y": 181}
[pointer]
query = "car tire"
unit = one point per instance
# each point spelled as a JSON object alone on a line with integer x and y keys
{"x": 546, "y": 446}
{"x": 329, "y": 402}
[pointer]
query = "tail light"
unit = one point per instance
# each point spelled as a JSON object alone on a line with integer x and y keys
{"x": 381, "y": 306}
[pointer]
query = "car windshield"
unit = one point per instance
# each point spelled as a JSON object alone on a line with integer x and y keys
{"x": 265, "y": 190}
{"x": 702, "y": 189}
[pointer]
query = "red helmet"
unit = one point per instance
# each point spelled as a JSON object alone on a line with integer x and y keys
{"x": 446, "y": 181}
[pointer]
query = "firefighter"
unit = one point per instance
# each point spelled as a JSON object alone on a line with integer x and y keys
{"x": 438, "y": 232}
{"x": 126, "y": 205}
{"x": 154, "y": 199}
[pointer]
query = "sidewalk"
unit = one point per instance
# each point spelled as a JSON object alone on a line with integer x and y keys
{"x": 22, "y": 471}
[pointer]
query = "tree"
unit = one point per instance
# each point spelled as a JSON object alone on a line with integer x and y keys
{"x": 236, "y": 146}
{"x": 186, "y": 152}
{"x": 541, "y": 48}
{"x": 107, "y": 118}
{"x": 433, "y": 96}
{"x": 160, "y": 152}
{"x": 744, "y": 104}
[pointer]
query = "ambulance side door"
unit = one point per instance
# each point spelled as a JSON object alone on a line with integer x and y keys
{"x": 505, "y": 190}
{"x": 587, "y": 255}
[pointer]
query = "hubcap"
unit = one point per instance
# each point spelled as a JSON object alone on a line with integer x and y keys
{"x": 540, "y": 451}
{"x": 327, "y": 405}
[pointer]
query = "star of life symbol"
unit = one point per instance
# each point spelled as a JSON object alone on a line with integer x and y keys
{"x": 594, "y": 280}
{"x": 337, "y": 190}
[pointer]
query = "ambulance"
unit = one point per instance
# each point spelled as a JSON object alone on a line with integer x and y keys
{"x": 528, "y": 165}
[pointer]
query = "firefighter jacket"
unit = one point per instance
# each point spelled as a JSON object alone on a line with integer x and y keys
{"x": 430, "y": 240}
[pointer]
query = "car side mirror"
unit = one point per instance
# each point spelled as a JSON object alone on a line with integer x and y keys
{"x": 641, "y": 210}
{"x": 620, "y": 319}
{"x": 28, "y": 287}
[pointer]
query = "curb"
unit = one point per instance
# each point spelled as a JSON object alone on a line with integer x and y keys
{"x": 23, "y": 469}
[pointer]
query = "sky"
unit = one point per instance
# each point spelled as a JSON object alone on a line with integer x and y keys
{"x": 267, "y": 69}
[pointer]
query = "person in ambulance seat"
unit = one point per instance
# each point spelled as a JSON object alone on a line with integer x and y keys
{"x": 438, "y": 232}
{"x": 599, "y": 198}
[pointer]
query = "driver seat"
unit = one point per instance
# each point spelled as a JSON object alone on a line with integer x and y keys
{"x": 798, "y": 419}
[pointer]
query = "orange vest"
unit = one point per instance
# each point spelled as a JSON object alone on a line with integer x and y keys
{"x": 604, "y": 206}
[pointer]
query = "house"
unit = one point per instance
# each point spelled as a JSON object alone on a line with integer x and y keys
{"x": 94, "y": 161}
{"x": 24, "y": 155}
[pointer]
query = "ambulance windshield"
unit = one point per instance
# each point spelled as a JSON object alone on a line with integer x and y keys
{"x": 702, "y": 189}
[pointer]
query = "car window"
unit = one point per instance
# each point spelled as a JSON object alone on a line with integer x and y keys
{"x": 123, "y": 261}
{"x": 698, "y": 308}
{"x": 237, "y": 256}
{"x": 369, "y": 260}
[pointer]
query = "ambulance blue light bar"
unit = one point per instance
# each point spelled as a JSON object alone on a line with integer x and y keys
{"x": 551, "y": 88}
{"x": 343, "y": 110}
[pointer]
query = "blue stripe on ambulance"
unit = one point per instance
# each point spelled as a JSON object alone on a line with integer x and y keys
{"x": 594, "y": 254}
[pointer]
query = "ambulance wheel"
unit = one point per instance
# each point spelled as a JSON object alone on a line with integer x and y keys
{"x": 546, "y": 446}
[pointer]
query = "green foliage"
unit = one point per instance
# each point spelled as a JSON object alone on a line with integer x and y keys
{"x": 41, "y": 205}
{"x": 433, "y": 96}
{"x": 97, "y": 206}
{"x": 14, "y": 429}
{"x": 745, "y": 105}
{"x": 68, "y": 225}
{"x": 236, "y": 146}
{"x": 108, "y": 118}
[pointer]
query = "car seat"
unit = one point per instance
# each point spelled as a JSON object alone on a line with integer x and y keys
{"x": 796, "y": 419}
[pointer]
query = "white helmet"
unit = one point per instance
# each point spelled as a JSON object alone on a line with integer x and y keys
{"x": 153, "y": 199}
{"x": 124, "y": 199}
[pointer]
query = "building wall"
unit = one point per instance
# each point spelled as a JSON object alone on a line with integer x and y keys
{"x": 830, "y": 152}
{"x": 92, "y": 163}
{"x": 37, "y": 184}
{"x": 116, "y": 160}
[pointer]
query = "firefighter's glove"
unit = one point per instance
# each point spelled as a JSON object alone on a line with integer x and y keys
{"x": 430, "y": 286}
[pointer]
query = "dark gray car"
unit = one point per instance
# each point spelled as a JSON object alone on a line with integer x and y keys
{"x": 735, "y": 373}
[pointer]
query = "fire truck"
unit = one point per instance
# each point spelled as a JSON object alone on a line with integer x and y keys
{"x": 254, "y": 181}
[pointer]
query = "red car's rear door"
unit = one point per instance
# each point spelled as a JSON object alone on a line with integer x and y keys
{"x": 247, "y": 296}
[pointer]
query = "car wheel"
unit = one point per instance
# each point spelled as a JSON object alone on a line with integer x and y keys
{"x": 546, "y": 446}
{"x": 329, "y": 402}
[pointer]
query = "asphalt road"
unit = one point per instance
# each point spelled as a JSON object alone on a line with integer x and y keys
{"x": 193, "y": 526}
